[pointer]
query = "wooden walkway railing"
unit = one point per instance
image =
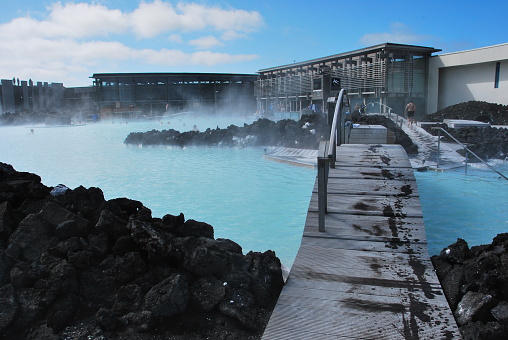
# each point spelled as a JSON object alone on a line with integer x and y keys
{"x": 368, "y": 276}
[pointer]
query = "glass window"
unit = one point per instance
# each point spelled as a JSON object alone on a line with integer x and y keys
{"x": 496, "y": 77}
{"x": 318, "y": 84}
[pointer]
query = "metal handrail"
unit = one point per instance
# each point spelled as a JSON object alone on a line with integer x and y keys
{"x": 381, "y": 104}
{"x": 327, "y": 155}
{"x": 465, "y": 148}
{"x": 336, "y": 136}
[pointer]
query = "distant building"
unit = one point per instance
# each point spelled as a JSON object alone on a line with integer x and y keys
{"x": 79, "y": 100}
{"x": 154, "y": 94}
{"x": 26, "y": 96}
{"x": 385, "y": 75}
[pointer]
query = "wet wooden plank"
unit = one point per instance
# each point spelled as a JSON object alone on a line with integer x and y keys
{"x": 304, "y": 157}
{"x": 368, "y": 276}
{"x": 372, "y": 172}
{"x": 385, "y": 155}
{"x": 332, "y": 263}
{"x": 391, "y": 206}
{"x": 367, "y": 245}
{"x": 357, "y": 316}
{"x": 368, "y": 227}
{"x": 373, "y": 186}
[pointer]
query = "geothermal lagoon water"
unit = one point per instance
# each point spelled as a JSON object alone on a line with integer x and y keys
{"x": 472, "y": 206}
{"x": 258, "y": 203}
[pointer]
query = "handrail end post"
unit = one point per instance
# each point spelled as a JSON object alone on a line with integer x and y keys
{"x": 322, "y": 191}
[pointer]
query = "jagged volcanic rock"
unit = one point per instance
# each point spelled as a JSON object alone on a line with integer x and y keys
{"x": 475, "y": 282}
{"x": 75, "y": 266}
{"x": 264, "y": 132}
{"x": 496, "y": 114}
{"x": 485, "y": 142}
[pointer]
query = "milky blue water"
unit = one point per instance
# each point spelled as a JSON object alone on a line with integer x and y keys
{"x": 259, "y": 203}
{"x": 472, "y": 206}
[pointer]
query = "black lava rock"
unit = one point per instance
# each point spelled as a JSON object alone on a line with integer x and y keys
{"x": 475, "y": 283}
{"x": 75, "y": 266}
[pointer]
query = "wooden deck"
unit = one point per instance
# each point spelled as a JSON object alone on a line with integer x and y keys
{"x": 304, "y": 157}
{"x": 369, "y": 275}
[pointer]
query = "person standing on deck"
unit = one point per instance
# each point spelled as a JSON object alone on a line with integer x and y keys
{"x": 410, "y": 113}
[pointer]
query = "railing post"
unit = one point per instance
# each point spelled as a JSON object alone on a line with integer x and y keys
{"x": 467, "y": 159}
{"x": 322, "y": 191}
{"x": 438, "y": 147}
{"x": 328, "y": 153}
{"x": 323, "y": 162}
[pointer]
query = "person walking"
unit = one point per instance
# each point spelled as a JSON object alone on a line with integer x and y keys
{"x": 410, "y": 113}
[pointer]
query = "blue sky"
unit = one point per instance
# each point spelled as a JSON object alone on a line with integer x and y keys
{"x": 68, "y": 41}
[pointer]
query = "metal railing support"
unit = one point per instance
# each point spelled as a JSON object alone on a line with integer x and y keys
{"x": 323, "y": 170}
{"x": 465, "y": 149}
{"x": 438, "y": 148}
{"x": 327, "y": 156}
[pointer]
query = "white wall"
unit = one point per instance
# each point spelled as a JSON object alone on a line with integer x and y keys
{"x": 467, "y": 75}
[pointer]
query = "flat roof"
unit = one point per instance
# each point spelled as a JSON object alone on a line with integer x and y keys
{"x": 420, "y": 50}
{"x": 169, "y": 74}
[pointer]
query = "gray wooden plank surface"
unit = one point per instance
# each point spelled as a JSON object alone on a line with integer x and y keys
{"x": 368, "y": 276}
{"x": 372, "y": 186}
{"x": 372, "y": 172}
{"x": 304, "y": 157}
{"x": 368, "y": 227}
{"x": 395, "y": 206}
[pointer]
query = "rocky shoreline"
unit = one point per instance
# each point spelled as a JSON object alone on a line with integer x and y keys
{"x": 75, "y": 266}
{"x": 475, "y": 283}
{"x": 486, "y": 142}
{"x": 304, "y": 134}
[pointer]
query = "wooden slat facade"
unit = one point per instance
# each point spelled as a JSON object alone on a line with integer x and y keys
{"x": 369, "y": 276}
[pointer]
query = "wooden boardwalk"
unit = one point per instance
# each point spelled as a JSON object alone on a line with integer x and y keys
{"x": 369, "y": 275}
{"x": 305, "y": 157}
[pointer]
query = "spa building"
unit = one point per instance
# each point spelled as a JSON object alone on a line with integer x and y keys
{"x": 383, "y": 77}
{"x": 132, "y": 94}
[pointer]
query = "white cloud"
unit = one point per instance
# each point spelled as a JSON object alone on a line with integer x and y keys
{"x": 158, "y": 17}
{"x": 221, "y": 19}
{"x": 175, "y": 38}
{"x": 399, "y": 33}
{"x": 152, "y": 19}
{"x": 75, "y": 40}
{"x": 204, "y": 43}
{"x": 179, "y": 58}
{"x": 85, "y": 20}
{"x": 68, "y": 21}
{"x": 233, "y": 35}
{"x": 212, "y": 58}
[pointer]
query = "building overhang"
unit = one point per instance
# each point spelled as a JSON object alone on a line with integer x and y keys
{"x": 385, "y": 49}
